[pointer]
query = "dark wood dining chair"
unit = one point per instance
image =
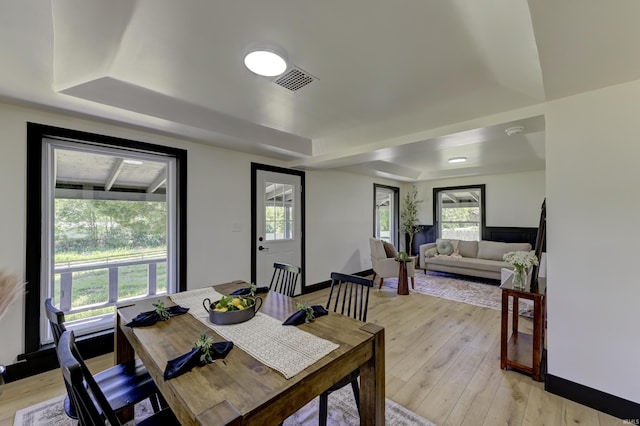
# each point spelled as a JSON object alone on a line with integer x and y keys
{"x": 349, "y": 295}
{"x": 91, "y": 403}
{"x": 284, "y": 278}
{"x": 123, "y": 385}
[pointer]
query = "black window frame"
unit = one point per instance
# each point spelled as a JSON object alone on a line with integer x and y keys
{"x": 396, "y": 211}
{"x": 483, "y": 211}
{"x": 100, "y": 342}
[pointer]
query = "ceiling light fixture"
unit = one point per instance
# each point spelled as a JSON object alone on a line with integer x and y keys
{"x": 515, "y": 130}
{"x": 266, "y": 61}
{"x": 133, "y": 162}
{"x": 457, "y": 159}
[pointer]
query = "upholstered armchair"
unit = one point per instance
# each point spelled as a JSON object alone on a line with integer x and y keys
{"x": 384, "y": 263}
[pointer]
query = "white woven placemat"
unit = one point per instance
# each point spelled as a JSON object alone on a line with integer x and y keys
{"x": 284, "y": 348}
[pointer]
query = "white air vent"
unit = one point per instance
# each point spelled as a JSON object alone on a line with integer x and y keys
{"x": 294, "y": 79}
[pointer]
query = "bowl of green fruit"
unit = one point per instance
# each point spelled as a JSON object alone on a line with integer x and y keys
{"x": 232, "y": 309}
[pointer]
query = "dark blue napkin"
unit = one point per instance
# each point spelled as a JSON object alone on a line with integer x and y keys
{"x": 186, "y": 362}
{"x": 247, "y": 291}
{"x": 299, "y": 316}
{"x": 144, "y": 319}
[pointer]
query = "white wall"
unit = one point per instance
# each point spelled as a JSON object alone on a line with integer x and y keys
{"x": 593, "y": 148}
{"x": 339, "y": 222}
{"x": 339, "y": 212}
{"x": 512, "y": 199}
{"x": 214, "y": 204}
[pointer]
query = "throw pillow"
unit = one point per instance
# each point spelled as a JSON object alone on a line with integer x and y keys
{"x": 431, "y": 252}
{"x": 389, "y": 249}
{"x": 454, "y": 243}
{"x": 445, "y": 247}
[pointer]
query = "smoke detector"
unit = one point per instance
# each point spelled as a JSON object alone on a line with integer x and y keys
{"x": 515, "y": 130}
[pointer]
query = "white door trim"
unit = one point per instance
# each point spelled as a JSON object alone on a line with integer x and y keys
{"x": 255, "y": 167}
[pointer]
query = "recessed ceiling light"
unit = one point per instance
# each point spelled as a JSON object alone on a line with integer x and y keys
{"x": 265, "y": 62}
{"x": 134, "y": 162}
{"x": 515, "y": 130}
{"x": 457, "y": 159}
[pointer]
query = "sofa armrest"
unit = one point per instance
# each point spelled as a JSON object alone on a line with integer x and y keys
{"x": 423, "y": 249}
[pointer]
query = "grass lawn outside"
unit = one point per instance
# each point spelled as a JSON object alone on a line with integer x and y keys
{"x": 92, "y": 286}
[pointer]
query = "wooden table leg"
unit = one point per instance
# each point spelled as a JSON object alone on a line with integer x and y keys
{"x": 372, "y": 392}
{"x": 515, "y": 313}
{"x": 538, "y": 324}
{"x": 123, "y": 352}
{"x": 503, "y": 330}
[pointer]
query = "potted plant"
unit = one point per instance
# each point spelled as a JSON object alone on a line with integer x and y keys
{"x": 409, "y": 215}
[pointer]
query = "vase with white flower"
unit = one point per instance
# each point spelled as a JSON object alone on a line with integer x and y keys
{"x": 521, "y": 261}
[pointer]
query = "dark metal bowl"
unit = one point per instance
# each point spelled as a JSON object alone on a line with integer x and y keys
{"x": 231, "y": 317}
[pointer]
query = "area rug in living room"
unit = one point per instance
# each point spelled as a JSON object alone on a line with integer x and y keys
{"x": 342, "y": 411}
{"x": 479, "y": 292}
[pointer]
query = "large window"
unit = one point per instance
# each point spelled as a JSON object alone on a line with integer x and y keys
{"x": 459, "y": 212}
{"x": 110, "y": 226}
{"x": 385, "y": 213}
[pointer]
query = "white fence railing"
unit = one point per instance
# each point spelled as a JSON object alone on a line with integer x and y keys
{"x": 468, "y": 234}
{"x": 66, "y": 280}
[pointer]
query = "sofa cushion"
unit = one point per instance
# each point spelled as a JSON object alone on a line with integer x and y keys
{"x": 454, "y": 243}
{"x": 445, "y": 247}
{"x": 389, "y": 249}
{"x": 431, "y": 252}
{"x": 468, "y": 248}
{"x": 494, "y": 250}
{"x": 469, "y": 263}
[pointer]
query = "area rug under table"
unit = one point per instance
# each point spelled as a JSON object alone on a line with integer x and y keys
{"x": 479, "y": 292}
{"x": 342, "y": 411}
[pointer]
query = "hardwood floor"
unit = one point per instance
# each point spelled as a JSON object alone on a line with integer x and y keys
{"x": 442, "y": 362}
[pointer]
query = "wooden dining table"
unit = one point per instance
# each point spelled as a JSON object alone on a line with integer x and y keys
{"x": 240, "y": 390}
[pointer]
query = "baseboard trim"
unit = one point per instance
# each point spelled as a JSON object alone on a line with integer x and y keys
{"x": 326, "y": 284}
{"x": 46, "y": 359}
{"x": 598, "y": 400}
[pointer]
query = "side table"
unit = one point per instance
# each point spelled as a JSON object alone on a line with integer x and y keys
{"x": 403, "y": 282}
{"x": 523, "y": 351}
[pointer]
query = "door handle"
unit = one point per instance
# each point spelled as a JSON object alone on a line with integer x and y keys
{"x": 263, "y": 248}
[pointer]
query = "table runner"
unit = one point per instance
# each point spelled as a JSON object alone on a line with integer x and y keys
{"x": 286, "y": 349}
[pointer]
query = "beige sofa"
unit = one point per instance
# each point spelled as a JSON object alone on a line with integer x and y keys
{"x": 473, "y": 258}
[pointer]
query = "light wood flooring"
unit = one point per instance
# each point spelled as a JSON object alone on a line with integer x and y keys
{"x": 442, "y": 362}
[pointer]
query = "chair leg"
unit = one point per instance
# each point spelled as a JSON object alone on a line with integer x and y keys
{"x": 413, "y": 282}
{"x": 153, "y": 399}
{"x": 324, "y": 401}
{"x": 381, "y": 280}
{"x": 356, "y": 393}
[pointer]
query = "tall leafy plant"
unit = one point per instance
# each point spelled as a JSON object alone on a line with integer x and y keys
{"x": 409, "y": 215}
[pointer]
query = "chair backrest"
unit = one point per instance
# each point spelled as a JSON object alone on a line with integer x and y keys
{"x": 56, "y": 323}
{"x": 351, "y": 295}
{"x": 84, "y": 389}
{"x": 377, "y": 249}
{"x": 56, "y": 320}
{"x": 284, "y": 278}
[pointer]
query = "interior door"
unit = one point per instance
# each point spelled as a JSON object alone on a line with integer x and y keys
{"x": 278, "y": 229}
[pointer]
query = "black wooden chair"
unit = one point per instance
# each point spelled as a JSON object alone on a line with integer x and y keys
{"x": 123, "y": 385}
{"x": 349, "y": 296}
{"x": 91, "y": 403}
{"x": 284, "y": 278}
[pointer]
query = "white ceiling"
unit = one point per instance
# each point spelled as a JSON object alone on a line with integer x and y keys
{"x": 401, "y": 86}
